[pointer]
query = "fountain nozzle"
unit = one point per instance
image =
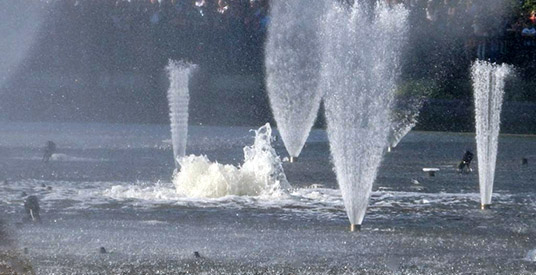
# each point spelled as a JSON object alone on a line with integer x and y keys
{"x": 355, "y": 227}
{"x": 293, "y": 159}
{"x": 484, "y": 206}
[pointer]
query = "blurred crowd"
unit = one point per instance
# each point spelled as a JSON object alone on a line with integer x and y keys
{"x": 126, "y": 35}
{"x": 489, "y": 28}
{"x": 233, "y": 31}
{"x": 116, "y": 50}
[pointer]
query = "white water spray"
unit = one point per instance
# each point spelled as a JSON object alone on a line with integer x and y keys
{"x": 179, "y": 74}
{"x": 404, "y": 117}
{"x": 488, "y": 87}
{"x": 362, "y": 50}
{"x": 293, "y": 62}
{"x": 261, "y": 173}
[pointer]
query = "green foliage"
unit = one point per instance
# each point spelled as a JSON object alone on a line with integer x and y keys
{"x": 520, "y": 90}
{"x": 529, "y": 6}
{"x": 423, "y": 88}
{"x": 513, "y": 8}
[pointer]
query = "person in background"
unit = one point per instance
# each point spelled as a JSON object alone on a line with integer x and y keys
{"x": 31, "y": 206}
{"x": 528, "y": 30}
{"x": 464, "y": 165}
{"x": 50, "y": 149}
{"x": 528, "y": 33}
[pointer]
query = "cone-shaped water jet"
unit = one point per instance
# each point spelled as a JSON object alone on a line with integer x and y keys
{"x": 404, "y": 117}
{"x": 488, "y": 87}
{"x": 179, "y": 74}
{"x": 362, "y": 48}
{"x": 293, "y": 68}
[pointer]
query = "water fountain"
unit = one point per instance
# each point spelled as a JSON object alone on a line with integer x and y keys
{"x": 362, "y": 47}
{"x": 292, "y": 69}
{"x": 179, "y": 74}
{"x": 404, "y": 117}
{"x": 488, "y": 87}
{"x": 261, "y": 173}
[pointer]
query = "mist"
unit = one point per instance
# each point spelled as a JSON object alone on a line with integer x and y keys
{"x": 21, "y": 21}
{"x": 103, "y": 61}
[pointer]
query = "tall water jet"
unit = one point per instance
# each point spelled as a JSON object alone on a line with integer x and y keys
{"x": 293, "y": 62}
{"x": 362, "y": 48}
{"x": 488, "y": 88}
{"x": 179, "y": 74}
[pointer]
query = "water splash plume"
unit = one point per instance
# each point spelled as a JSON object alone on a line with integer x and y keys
{"x": 261, "y": 173}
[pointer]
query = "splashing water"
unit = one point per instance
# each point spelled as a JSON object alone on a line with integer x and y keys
{"x": 261, "y": 173}
{"x": 488, "y": 87}
{"x": 293, "y": 68}
{"x": 531, "y": 256}
{"x": 362, "y": 51}
{"x": 404, "y": 117}
{"x": 179, "y": 74}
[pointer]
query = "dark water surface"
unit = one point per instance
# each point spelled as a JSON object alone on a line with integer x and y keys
{"x": 110, "y": 187}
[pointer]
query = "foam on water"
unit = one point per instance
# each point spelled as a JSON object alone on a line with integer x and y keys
{"x": 62, "y": 157}
{"x": 325, "y": 203}
{"x": 531, "y": 256}
{"x": 160, "y": 193}
{"x": 261, "y": 173}
{"x": 65, "y": 157}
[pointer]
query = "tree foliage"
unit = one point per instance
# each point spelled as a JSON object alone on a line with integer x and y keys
{"x": 529, "y": 6}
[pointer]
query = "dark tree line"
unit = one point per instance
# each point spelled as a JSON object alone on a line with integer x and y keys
{"x": 111, "y": 54}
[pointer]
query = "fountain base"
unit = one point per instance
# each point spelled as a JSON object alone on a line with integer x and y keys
{"x": 485, "y": 206}
{"x": 293, "y": 159}
{"x": 355, "y": 227}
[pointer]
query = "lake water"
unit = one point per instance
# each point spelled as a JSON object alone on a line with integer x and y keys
{"x": 110, "y": 186}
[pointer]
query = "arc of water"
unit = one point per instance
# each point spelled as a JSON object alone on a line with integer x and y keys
{"x": 292, "y": 69}
{"x": 404, "y": 117}
{"x": 179, "y": 74}
{"x": 488, "y": 90}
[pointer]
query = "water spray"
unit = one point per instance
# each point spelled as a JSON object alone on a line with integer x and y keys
{"x": 179, "y": 74}
{"x": 362, "y": 49}
{"x": 488, "y": 87}
{"x": 404, "y": 117}
{"x": 293, "y": 62}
